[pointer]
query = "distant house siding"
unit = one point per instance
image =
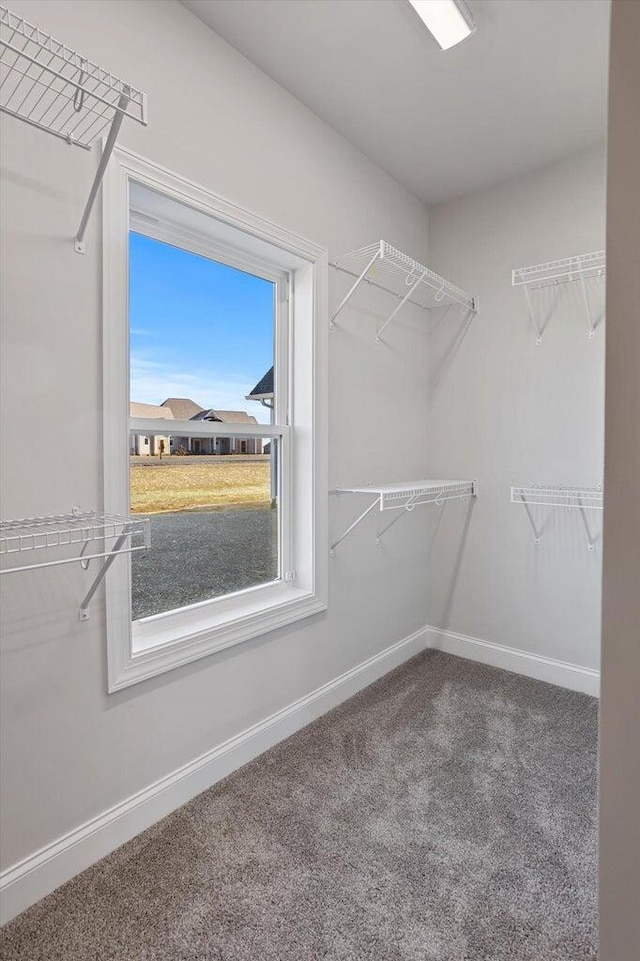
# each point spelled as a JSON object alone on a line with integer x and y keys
{"x": 180, "y": 443}
{"x": 246, "y": 445}
{"x": 217, "y": 445}
{"x": 149, "y": 445}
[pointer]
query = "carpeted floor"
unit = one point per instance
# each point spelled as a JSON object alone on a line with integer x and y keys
{"x": 447, "y": 813}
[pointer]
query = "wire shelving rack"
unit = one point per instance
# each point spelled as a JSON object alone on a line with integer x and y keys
{"x": 113, "y": 534}
{"x": 405, "y": 496}
{"x": 577, "y": 269}
{"x": 51, "y": 87}
{"x": 389, "y": 269}
{"x": 581, "y": 499}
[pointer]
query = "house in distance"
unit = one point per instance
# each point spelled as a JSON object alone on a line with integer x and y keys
{"x": 183, "y": 408}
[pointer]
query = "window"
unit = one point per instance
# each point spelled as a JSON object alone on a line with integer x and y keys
{"x": 214, "y": 358}
{"x": 203, "y": 328}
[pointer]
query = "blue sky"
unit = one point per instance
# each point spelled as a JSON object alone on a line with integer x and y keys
{"x": 199, "y": 329}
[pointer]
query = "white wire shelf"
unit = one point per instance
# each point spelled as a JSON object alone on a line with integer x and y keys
{"x": 581, "y": 499}
{"x": 61, "y": 530}
{"x": 561, "y": 271}
{"x": 412, "y": 493}
{"x": 572, "y": 269}
{"x": 113, "y": 534}
{"x": 559, "y": 496}
{"x": 387, "y": 268}
{"x": 55, "y": 89}
{"x": 50, "y": 86}
{"x": 406, "y": 496}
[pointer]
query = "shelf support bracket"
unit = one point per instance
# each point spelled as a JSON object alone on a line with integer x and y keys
{"x": 399, "y": 306}
{"x": 536, "y": 532}
{"x": 591, "y": 541}
{"x": 114, "y": 130}
{"x": 587, "y": 305}
{"x": 384, "y": 530}
{"x": 83, "y": 614}
{"x": 361, "y": 517}
{"x": 407, "y": 507}
{"x": 532, "y": 315}
{"x": 354, "y": 287}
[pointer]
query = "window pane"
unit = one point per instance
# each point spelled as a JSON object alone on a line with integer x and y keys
{"x": 202, "y": 338}
{"x": 214, "y": 526}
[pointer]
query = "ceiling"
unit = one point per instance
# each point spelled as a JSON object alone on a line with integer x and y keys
{"x": 527, "y": 89}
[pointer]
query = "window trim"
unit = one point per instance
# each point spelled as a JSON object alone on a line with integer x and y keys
{"x": 235, "y": 618}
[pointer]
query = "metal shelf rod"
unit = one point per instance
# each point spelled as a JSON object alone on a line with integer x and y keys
{"x": 407, "y": 507}
{"x": 590, "y": 538}
{"x": 399, "y": 307}
{"x": 536, "y": 532}
{"x": 114, "y": 130}
{"x": 366, "y": 280}
{"x": 39, "y": 126}
{"x": 352, "y": 290}
{"x": 84, "y": 559}
{"x": 332, "y": 552}
{"x": 587, "y": 307}
{"x": 532, "y": 316}
{"x": 83, "y": 613}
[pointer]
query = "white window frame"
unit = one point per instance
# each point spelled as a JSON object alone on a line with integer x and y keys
{"x": 163, "y": 642}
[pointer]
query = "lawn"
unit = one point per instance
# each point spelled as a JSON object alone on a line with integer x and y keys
{"x": 157, "y": 487}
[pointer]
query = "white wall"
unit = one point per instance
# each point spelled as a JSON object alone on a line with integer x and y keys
{"x": 620, "y": 708}
{"x": 511, "y": 413}
{"x": 70, "y": 751}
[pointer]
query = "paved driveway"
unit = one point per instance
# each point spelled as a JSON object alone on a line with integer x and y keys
{"x": 196, "y": 555}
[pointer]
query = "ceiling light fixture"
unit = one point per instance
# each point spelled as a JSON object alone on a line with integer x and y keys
{"x": 449, "y": 21}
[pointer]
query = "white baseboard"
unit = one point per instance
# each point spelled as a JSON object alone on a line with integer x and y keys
{"x": 26, "y": 882}
{"x": 520, "y": 662}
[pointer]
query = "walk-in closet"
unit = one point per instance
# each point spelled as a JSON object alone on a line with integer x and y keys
{"x": 319, "y": 416}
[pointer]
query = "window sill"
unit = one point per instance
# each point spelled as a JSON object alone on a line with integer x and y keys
{"x": 157, "y": 647}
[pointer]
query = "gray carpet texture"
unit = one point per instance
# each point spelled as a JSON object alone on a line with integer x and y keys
{"x": 446, "y": 813}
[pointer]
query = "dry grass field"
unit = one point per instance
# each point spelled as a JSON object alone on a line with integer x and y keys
{"x": 189, "y": 485}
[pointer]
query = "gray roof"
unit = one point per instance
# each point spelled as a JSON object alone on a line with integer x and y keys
{"x": 149, "y": 410}
{"x": 264, "y": 387}
{"x": 205, "y": 415}
{"x": 182, "y": 408}
{"x": 227, "y": 416}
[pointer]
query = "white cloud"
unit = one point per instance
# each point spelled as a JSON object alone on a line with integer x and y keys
{"x": 152, "y": 382}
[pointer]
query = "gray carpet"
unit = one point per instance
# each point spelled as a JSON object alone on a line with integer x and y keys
{"x": 448, "y": 812}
